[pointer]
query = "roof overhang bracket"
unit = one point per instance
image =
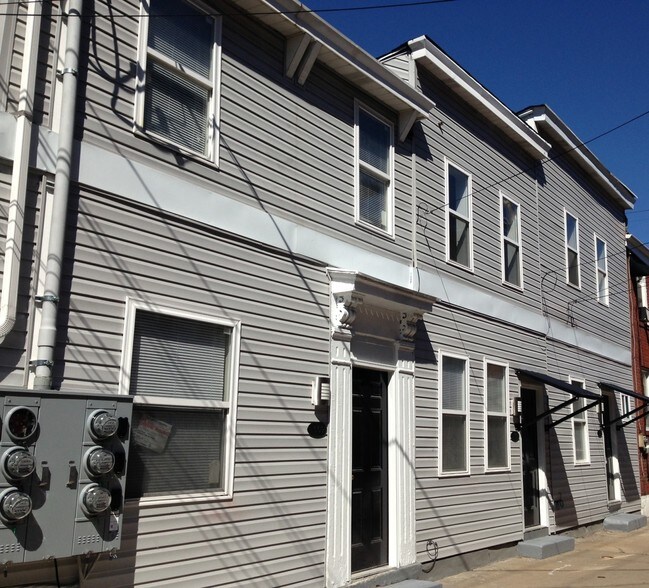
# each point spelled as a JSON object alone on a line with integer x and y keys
{"x": 407, "y": 118}
{"x": 301, "y": 52}
{"x": 547, "y": 413}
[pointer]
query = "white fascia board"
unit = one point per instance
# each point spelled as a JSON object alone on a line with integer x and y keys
{"x": 137, "y": 181}
{"x": 543, "y": 116}
{"x": 463, "y": 84}
{"x": 342, "y": 55}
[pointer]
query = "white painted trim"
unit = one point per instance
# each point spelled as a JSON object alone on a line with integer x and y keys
{"x": 604, "y": 299}
{"x": 504, "y": 196}
{"x": 506, "y": 413}
{"x": 584, "y": 419}
{"x": 441, "y": 411}
{"x": 566, "y": 213}
{"x": 361, "y": 166}
{"x": 138, "y": 182}
{"x": 447, "y": 211}
{"x": 132, "y": 305}
{"x": 145, "y": 53}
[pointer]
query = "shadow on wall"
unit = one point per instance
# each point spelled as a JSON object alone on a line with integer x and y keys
{"x": 628, "y": 479}
{"x": 561, "y": 499}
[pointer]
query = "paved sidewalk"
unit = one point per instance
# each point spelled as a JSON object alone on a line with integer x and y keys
{"x": 606, "y": 558}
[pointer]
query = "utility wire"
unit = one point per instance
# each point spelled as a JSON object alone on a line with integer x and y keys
{"x": 265, "y": 13}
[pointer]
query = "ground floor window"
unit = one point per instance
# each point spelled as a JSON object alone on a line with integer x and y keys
{"x": 497, "y": 419}
{"x": 453, "y": 414}
{"x": 181, "y": 368}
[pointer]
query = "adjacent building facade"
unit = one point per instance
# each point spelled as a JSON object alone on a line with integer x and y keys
{"x": 362, "y": 307}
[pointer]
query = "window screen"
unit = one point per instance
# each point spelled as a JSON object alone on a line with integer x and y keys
{"x": 453, "y": 415}
{"x": 459, "y": 215}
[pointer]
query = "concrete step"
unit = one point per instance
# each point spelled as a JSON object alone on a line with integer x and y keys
{"x": 544, "y": 547}
{"x": 416, "y": 584}
{"x": 625, "y": 522}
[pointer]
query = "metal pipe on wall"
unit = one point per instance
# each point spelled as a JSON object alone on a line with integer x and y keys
{"x": 47, "y": 332}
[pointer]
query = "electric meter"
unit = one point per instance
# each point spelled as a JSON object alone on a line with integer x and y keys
{"x": 102, "y": 425}
{"x": 95, "y": 499}
{"x": 14, "y": 505}
{"x": 21, "y": 423}
{"x": 99, "y": 461}
{"x": 17, "y": 463}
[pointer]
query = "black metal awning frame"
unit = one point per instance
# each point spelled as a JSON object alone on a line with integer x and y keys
{"x": 573, "y": 389}
{"x": 644, "y": 407}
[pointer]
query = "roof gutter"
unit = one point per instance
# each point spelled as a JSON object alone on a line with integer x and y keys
{"x": 19, "y": 174}
{"x": 47, "y": 332}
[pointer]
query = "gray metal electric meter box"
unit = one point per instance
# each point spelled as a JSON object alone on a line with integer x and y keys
{"x": 63, "y": 459}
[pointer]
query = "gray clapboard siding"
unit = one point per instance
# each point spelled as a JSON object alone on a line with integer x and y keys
{"x": 400, "y": 65}
{"x": 222, "y": 276}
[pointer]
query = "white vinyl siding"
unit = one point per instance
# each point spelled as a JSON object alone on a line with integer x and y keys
{"x": 511, "y": 242}
{"x": 573, "y": 271}
{"x": 580, "y": 428}
{"x": 178, "y": 75}
{"x": 496, "y": 416}
{"x": 454, "y": 415}
{"x": 374, "y": 169}
{"x": 459, "y": 229}
{"x": 601, "y": 270}
{"x": 181, "y": 368}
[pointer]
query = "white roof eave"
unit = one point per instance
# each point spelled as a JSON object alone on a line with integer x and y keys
{"x": 459, "y": 81}
{"x": 291, "y": 17}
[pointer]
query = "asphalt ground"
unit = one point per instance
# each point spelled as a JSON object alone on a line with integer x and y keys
{"x": 605, "y": 558}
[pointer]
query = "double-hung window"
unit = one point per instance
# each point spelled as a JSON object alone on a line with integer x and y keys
{"x": 178, "y": 76}
{"x": 601, "y": 270}
{"x": 459, "y": 248}
{"x": 572, "y": 249}
{"x": 374, "y": 169}
{"x": 454, "y": 415}
{"x": 496, "y": 415}
{"x": 511, "y": 242}
{"x": 181, "y": 369}
{"x": 580, "y": 428}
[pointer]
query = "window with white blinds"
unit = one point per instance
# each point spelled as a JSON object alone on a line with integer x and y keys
{"x": 459, "y": 232}
{"x": 177, "y": 83}
{"x": 182, "y": 372}
{"x": 374, "y": 154}
{"x": 580, "y": 428}
{"x": 454, "y": 415}
{"x": 496, "y": 416}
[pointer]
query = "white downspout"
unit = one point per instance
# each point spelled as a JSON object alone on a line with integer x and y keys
{"x": 47, "y": 332}
{"x": 19, "y": 172}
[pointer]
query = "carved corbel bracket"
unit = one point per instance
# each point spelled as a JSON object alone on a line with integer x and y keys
{"x": 344, "y": 312}
{"x": 408, "y": 326}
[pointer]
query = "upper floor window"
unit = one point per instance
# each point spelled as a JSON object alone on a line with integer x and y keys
{"x": 511, "y": 242}
{"x": 374, "y": 171}
{"x": 454, "y": 415}
{"x": 459, "y": 248}
{"x": 601, "y": 270}
{"x": 572, "y": 250}
{"x": 182, "y": 370}
{"x": 178, "y": 76}
{"x": 496, "y": 415}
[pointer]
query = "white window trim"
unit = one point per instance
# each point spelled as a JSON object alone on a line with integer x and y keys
{"x": 503, "y": 240}
{"x": 565, "y": 240}
{"x": 466, "y": 412}
{"x": 604, "y": 300}
{"x": 230, "y": 421}
{"x": 214, "y": 109}
{"x": 447, "y": 212}
{"x": 583, "y": 417}
{"x": 505, "y": 413}
{"x": 358, "y": 164}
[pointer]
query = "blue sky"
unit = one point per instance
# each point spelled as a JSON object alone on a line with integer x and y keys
{"x": 587, "y": 59}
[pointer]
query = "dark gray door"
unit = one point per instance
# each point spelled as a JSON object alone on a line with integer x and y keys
{"x": 369, "y": 469}
{"x": 530, "y": 455}
{"x": 608, "y": 447}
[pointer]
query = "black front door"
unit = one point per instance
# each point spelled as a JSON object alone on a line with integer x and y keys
{"x": 369, "y": 469}
{"x": 530, "y": 455}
